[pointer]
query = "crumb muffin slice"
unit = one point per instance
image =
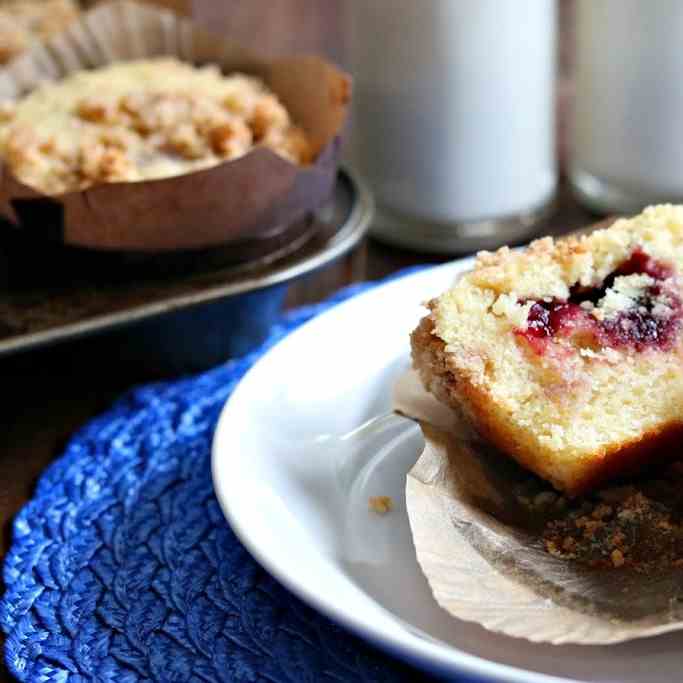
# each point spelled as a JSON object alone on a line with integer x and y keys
{"x": 568, "y": 356}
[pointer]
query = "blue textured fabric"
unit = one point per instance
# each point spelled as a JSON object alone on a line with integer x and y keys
{"x": 123, "y": 568}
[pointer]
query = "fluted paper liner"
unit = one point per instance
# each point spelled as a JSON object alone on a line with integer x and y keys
{"x": 257, "y": 195}
{"x": 483, "y": 557}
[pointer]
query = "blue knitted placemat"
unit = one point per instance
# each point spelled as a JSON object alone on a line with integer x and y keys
{"x": 123, "y": 568}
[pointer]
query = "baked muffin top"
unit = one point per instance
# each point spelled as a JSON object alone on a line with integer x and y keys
{"x": 22, "y": 22}
{"x": 141, "y": 120}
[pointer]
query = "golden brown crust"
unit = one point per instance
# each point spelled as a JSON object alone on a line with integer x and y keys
{"x": 652, "y": 448}
{"x": 452, "y": 386}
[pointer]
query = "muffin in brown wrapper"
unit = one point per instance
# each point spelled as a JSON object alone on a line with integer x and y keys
{"x": 255, "y": 196}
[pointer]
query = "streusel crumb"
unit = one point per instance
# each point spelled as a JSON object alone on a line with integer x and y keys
{"x": 380, "y": 504}
{"x": 636, "y": 526}
{"x": 142, "y": 120}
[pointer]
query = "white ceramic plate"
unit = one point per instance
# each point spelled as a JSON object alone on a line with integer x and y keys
{"x": 297, "y": 496}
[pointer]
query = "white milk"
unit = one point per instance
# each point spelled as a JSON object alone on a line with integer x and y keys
{"x": 628, "y": 116}
{"x": 453, "y": 116}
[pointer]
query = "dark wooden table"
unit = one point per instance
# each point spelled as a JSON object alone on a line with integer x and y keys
{"x": 48, "y": 394}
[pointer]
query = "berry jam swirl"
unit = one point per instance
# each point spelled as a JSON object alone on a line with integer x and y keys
{"x": 647, "y": 324}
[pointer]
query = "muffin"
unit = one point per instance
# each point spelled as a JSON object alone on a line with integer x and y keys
{"x": 23, "y": 22}
{"x": 141, "y": 120}
{"x": 568, "y": 355}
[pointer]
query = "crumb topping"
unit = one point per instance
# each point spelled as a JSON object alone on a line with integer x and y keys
{"x": 626, "y": 292}
{"x": 548, "y": 268}
{"x": 517, "y": 312}
{"x": 141, "y": 120}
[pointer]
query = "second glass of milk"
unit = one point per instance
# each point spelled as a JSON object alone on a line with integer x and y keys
{"x": 454, "y": 117}
{"x": 627, "y": 147}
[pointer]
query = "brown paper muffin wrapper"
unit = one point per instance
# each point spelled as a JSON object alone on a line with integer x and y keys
{"x": 255, "y": 196}
{"x": 482, "y": 550}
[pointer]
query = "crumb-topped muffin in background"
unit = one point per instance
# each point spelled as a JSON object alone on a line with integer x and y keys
{"x": 141, "y": 120}
{"x": 22, "y": 22}
{"x": 568, "y": 355}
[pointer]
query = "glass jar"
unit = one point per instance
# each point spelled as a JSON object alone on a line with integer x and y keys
{"x": 627, "y": 148}
{"x": 453, "y": 120}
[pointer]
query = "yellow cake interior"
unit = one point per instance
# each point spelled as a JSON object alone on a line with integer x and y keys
{"x": 565, "y": 406}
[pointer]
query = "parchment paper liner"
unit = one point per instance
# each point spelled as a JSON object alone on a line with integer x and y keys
{"x": 256, "y": 195}
{"x": 483, "y": 565}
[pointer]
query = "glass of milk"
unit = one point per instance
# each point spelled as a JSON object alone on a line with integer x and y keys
{"x": 628, "y": 112}
{"x": 453, "y": 120}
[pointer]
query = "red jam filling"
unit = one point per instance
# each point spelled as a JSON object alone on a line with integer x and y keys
{"x": 643, "y": 264}
{"x": 636, "y": 327}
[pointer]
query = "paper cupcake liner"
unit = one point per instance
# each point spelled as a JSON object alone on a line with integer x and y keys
{"x": 255, "y": 196}
{"x": 485, "y": 561}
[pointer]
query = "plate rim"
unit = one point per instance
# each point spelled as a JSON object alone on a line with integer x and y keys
{"x": 436, "y": 656}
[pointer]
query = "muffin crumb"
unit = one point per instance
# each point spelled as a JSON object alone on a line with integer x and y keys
{"x": 617, "y": 557}
{"x": 380, "y": 504}
{"x": 639, "y": 529}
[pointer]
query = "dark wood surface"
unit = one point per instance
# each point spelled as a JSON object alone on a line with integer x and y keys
{"x": 48, "y": 394}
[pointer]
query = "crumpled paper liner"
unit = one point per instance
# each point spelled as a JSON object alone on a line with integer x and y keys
{"x": 257, "y": 195}
{"x": 482, "y": 554}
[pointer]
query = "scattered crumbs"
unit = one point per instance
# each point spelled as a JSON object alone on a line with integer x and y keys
{"x": 617, "y": 557}
{"x": 636, "y": 527}
{"x": 380, "y": 504}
